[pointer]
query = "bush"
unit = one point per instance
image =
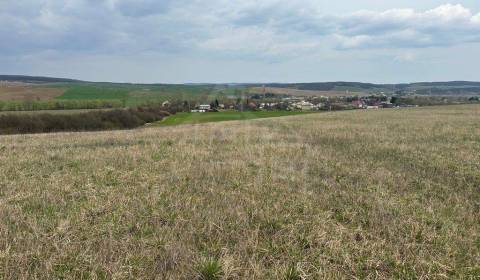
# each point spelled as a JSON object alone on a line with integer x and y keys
{"x": 90, "y": 121}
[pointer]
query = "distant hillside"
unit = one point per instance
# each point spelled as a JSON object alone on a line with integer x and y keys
{"x": 457, "y": 88}
{"x": 448, "y": 84}
{"x": 32, "y": 79}
{"x": 424, "y": 88}
{"x": 326, "y": 86}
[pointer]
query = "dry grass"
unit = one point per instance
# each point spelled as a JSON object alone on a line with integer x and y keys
{"x": 15, "y": 91}
{"x": 305, "y": 93}
{"x": 379, "y": 194}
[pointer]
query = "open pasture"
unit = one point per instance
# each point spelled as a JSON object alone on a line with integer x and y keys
{"x": 381, "y": 194}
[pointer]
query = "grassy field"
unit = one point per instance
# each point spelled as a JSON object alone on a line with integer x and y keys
{"x": 197, "y": 118}
{"x": 381, "y": 194}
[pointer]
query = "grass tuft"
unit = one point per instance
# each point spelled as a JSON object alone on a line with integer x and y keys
{"x": 292, "y": 273}
{"x": 209, "y": 269}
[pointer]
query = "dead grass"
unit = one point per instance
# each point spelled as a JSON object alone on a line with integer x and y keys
{"x": 387, "y": 194}
{"x": 15, "y": 91}
{"x": 305, "y": 93}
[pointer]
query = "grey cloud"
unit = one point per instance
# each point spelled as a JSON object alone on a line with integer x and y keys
{"x": 141, "y": 8}
{"x": 269, "y": 28}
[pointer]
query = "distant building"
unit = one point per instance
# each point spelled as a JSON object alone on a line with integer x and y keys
{"x": 205, "y": 107}
{"x": 304, "y": 106}
{"x": 387, "y": 105}
{"x": 358, "y": 103}
{"x": 320, "y": 105}
{"x": 252, "y": 106}
{"x": 166, "y": 104}
{"x": 201, "y": 108}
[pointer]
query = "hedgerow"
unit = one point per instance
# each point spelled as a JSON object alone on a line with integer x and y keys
{"x": 89, "y": 121}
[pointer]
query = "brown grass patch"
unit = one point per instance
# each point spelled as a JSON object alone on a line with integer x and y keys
{"x": 14, "y": 91}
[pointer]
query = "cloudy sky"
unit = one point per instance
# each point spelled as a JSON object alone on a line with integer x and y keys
{"x": 177, "y": 41}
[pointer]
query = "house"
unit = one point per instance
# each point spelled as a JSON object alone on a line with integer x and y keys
{"x": 166, "y": 104}
{"x": 358, "y": 104}
{"x": 304, "y": 106}
{"x": 201, "y": 108}
{"x": 252, "y": 106}
{"x": 205, "y": 107}
{"x": 387, "y": 105}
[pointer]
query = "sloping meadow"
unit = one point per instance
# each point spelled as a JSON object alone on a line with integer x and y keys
{"x": 360, "y": 194}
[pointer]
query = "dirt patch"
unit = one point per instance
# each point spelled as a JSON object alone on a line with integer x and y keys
{"x": 306, "y": 93}
{"x": 15, "y": 91}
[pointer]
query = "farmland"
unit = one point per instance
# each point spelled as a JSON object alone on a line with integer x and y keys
{"x": 92, "y": 92}
{"x": 18, "y": 96}
{"x": 379, "y": 194}
{"x": 16, "y": 91}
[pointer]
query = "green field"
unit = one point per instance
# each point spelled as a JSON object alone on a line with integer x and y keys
{"x": 137, "y": 94}
{"x": 195, "y": 118}
{"x": 94, "y": 92}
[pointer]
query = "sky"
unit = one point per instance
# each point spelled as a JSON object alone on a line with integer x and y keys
{"x": 240, "y": 41}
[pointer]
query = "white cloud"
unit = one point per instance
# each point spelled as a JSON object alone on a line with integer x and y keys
{"x": 442, "y": 26}
{"x": 448, "y": 13}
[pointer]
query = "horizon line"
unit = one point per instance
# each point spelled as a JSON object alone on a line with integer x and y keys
{"x": 227, "y": 83}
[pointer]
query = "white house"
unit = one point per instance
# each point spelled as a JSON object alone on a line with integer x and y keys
{"x": 204, "y": 107}
{"x": 201, "y": 108}
{"x": 304, "y": 106}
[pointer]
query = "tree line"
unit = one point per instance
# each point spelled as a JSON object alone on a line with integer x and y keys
{"x": 87, "y": 121}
